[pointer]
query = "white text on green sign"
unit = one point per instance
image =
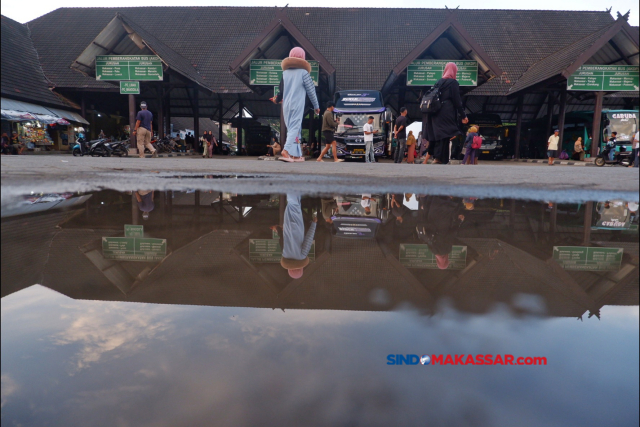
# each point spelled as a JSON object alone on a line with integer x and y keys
{"x": 613, "y": 78}
{"x": 129, "y": 88}
{"x": 134, "y": 248}
{"x": 583, "y": 258}
{"x": 268, "y": 72}
{"x": 129, "y": 67}
{"x": 421, "y": 256}
{"x": 427, "y": 72}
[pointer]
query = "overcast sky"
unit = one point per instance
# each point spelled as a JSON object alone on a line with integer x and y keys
{"x": 25, "y": 11}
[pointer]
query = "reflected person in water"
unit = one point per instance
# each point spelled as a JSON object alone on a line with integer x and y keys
{"x": 296, "y": 245}
{"x": 441, "y": 220}
{"x": 145, "y": 202}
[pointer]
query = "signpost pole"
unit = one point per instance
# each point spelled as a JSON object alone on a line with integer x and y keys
{"x": 597, "y": 117}
{"x": 240, "y": 133}
{"x": 132, "y": 120}
{"x": 160, "y": 111}
{"x": 588, "y": 217}
{"x": 220, "y": 118}
{"x": 519, "y": 126}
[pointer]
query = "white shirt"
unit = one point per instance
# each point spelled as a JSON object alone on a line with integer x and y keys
{"x": 365, "y": 203}
{"x": 553, "y": 142}
{"x": 368, "y": 128}
{"x": 637, "y": 138}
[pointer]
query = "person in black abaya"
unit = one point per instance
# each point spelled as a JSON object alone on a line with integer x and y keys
{"x": 440, "y": 127}
{"x": 441, "y": 220}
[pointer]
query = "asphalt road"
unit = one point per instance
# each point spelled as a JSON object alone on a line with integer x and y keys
{"x": 58, "y": 173}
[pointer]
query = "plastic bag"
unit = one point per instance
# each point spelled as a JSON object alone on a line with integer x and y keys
{"x": 564, "y": 155}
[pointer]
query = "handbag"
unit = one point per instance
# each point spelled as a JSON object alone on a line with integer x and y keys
{"x": 431, "y": 102}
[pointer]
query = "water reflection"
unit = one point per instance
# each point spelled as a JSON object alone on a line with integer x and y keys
{"x": 235, "y": 309}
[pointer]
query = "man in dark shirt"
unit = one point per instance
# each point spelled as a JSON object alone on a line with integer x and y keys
{"x": 400, "y": 133}
{"x": 143, "y": 130}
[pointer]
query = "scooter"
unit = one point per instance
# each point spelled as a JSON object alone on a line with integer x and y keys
{"x": 77, "y": 150}
{"x": 118, "y": 148}
{"x": 623, "y": 158}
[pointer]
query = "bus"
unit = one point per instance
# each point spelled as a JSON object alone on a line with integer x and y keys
{"x": 353, "y": 107}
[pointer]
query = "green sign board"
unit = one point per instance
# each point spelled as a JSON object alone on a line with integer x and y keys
{"x": 133, "y": 230}
{"x": 129, "y": 88}
{"x": 613, "y": 78}
{"x": 427, "y": 72}
{"x": 134, "y": 248}
{"x": 420, "y": 256}
{"x": 128, "y": 67}
{"x": 584, "y": 258}
{"x": 268, "y": 72}
{"x": 269, "y": 250}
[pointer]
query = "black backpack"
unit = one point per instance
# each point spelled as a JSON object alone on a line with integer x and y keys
{"x": 431, "y": 102}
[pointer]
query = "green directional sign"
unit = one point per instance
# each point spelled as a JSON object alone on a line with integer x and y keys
{"x": 583, "y": 258}
{"x": 129, "y": 88}
{"x": 427, "y": 72}
{"x": 420, "y": 256}
{"x": 269, "y": 250}
{"x": 134, "y": 248}
{"x": 133, "y": 230}
{"x": 610, "y": 78}
{"x": 128, "y": 67}
{"x": 268, "y": 72}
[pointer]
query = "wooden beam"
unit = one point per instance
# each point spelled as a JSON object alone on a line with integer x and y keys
{"x": 519, "y": 126}
{"x": 597, "y": 118}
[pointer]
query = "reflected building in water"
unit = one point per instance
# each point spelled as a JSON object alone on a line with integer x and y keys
{"x": 372, "y": 252}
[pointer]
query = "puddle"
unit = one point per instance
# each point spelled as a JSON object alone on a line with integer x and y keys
{"x": 201, "y": 308}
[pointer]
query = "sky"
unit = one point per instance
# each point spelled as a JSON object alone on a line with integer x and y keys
{"x": 24, "y": 12}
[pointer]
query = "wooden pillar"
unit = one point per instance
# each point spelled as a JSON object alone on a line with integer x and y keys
{"x": 550, "y": 106}
{"x": 240, "y": 124}
{"x": 132, "y": 120}
{"x": 597, "y": 118}
{"x": 135, "y": 215}
{"x": 220, "y": 117}
{"x": 160, "y": 97}
{"x": 196, "y": 117}
{"x": 561, "y": 114}
{"x": 588, "y": 217}
{"x": 553, "y": 219}
{"x": 83, "y": 110}
{"x": 519, "y": 125}
{"x": 312, "y": 118}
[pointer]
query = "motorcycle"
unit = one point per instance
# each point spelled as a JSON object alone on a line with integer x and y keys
{"x": 623, "y": 158}
{"x": 99, "y": 148}
{"x": 119, "y": 148}
{"x": 80, "y": 147}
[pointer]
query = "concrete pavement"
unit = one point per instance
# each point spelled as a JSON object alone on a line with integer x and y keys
{"x": 57, "y": 173}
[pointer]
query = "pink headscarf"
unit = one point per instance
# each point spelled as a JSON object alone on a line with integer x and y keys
{"x": 442, "y": 261}
{"x": 297, "y": 52}
{"x": 296, "y": 273}
{"x": 450, "y": 71}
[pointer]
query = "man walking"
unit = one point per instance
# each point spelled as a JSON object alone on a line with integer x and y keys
{"x": 143, "y": 130}
{"x": 400, "y": 133}
{"x": 368, "y": 140}
{"x": 552, "y": 146}
{"x": 329, "y": 126}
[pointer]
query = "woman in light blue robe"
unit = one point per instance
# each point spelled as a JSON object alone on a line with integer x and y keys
{"x": 296, "y": 244}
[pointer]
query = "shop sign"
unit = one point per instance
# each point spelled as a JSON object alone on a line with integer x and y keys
{"x": 134, "y": 248}
{"x": 427, "y": 72}
{"x": 129, "y": 88}
{"x": 269, "y": 250}
{"x": 612, "y": 78}
{"x": 420, "y": 256}
{"x": 133, "y": 230}
{"x": 128, "y": 67}
{"x": 268, "y": 72}
{"x": 613, "y": 215}
{"x": 583, "y": 258}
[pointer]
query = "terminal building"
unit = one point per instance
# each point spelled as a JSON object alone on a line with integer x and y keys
{"x": 530, "y": 64}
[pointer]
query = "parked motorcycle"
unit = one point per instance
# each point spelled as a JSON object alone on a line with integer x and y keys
{"x": 623, "y": 158}
{"x": 119, "y": 148}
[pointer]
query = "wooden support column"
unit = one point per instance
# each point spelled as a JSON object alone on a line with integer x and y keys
{"x": 519, "y": 126}
{"x": 83, "y": 110}
{"x": 561, "y": 114}
{"x": 220, "y": 117}
{"x": 196, "y": 117}
{"x": 550, "y": 106}
{"x": 597, "y": 118}
{"x": 312, "y": 118}
{"x": 161, "y": 123}
{"x": 588, "y": 217}
{"x": 240, "y": 124}
{"x": 132, "y": 120}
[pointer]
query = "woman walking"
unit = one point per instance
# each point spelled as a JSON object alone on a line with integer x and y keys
{"x": 411, "y": 148}
{"x": 296, "y": 81}
{"x": 440, "y": 127}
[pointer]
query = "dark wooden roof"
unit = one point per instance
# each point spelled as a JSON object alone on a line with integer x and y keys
{"x": 22, "y": 76}
{"x": 363, "y": 44}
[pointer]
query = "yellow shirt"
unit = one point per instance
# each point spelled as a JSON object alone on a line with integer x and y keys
{"x": 411, "y": 140}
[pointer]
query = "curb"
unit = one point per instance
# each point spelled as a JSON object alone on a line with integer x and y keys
{"x": 149, "y": 156}
{"x": 556, "y": 162}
